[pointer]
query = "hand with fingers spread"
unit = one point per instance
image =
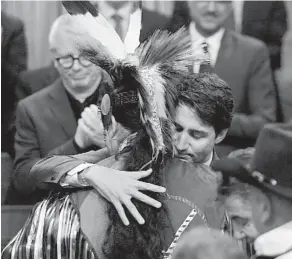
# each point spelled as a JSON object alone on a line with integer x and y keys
{"x": 90, "y": 130}
{"x": 119, "y": 187}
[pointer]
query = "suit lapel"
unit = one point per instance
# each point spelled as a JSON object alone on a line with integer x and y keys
{"x": 225, "y": 53}
{"x": 61, "y": 109}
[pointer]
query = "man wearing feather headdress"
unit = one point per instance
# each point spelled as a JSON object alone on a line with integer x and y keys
{"x": 83, "y": 224}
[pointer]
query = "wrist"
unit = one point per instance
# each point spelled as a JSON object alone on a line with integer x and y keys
{"x": 83, "y": 177}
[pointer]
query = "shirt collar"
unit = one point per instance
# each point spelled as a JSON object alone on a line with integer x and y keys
{"x": 275, "y": 242}
{"x": 213, "y": 39}
{"x": 208, "y": 163}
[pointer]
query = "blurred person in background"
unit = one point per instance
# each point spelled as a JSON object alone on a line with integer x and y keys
{"x": 63, "y": 118}
{"x": 203, "y": 243}
{"x": 13, "y": 61}
{"x": 266, "y": 21}
{"x": 268, "y": 181}
{"x": 242, "y": 61}
{"x": 236, "y": 199}
{"x": 118, "y": 14}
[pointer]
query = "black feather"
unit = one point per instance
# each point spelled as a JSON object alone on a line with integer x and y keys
{"x": 80, "y": 7}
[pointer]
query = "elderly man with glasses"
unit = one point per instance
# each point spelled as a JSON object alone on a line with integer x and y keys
{"x": 62, "y": 119}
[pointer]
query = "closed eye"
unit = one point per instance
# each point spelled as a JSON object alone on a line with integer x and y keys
{"x": 178, "y": 128}
{"x": 239, "y": 220}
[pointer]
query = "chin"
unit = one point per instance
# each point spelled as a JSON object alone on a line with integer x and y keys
{"x": 209, "y": 27}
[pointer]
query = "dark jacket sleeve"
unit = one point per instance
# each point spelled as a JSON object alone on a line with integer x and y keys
{"x": 52, "y": 168}
{"x": 27, "y": 149}
{"x": 16, "y": 48}
{"x": 261, "y": 98}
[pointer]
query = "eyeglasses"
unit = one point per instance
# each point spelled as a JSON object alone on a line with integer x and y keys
{"x": 68, "y": 61}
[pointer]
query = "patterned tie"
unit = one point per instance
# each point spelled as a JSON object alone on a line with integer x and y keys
{"x": 206, "y": 64}
{"x": 118, "y": 25}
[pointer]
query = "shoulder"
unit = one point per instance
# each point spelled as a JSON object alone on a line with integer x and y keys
{"x": 247, "y": 42}
{"x": 153, "y": 20}
{"x": 252, "y": 48}
{"x": 39, "y": 98}
{"x": 10, "y": 22}
{"x": 39, "y": 78}
{"x": 154, "y": 15}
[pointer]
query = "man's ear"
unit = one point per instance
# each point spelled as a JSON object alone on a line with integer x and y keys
{"x": 266, "y": 209}
{"x": 221, "y": 136}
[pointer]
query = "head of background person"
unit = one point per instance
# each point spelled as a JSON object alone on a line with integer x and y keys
{"x": 80, "y": 77}
{"x": 203, "y": 243}
{"x": 237, "y": 200}
{"x": 268, "y": 178}
{"x": 209, "y": 16}
{"x": 202, "y": 116}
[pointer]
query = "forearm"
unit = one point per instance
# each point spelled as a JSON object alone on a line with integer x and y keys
{"x": 68, "y": 148}
{"x": 55, "y": 169}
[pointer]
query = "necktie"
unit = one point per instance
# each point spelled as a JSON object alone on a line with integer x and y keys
{"x": 118, "y": 25}
{"x": 205, "y": 65}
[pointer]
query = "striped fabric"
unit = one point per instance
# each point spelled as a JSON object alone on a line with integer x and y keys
{"x": 52, "y": 231}
{"x": 182, "y": 228}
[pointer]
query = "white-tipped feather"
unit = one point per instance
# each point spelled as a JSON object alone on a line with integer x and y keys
{"x": 132, "y": 39}
{"x": 99, "y": 29}
{"x": 152, "y": 76}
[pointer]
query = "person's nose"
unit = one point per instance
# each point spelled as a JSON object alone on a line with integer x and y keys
{"x": 211, "y": 6}
{"x": 76, "y": 65}
{"x": 239, "y": 234}
{"x": 182, "y": 141}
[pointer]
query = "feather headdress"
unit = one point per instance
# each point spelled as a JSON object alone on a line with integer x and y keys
{"x": 150, "y": 70}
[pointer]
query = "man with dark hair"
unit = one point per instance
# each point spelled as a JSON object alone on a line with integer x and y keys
{"x": 243, "y": 62}
{"x": 202, "y": 117}
{"x": 269, "y": 184}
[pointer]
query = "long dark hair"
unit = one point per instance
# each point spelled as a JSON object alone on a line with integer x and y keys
{"x": 139, "y": 241}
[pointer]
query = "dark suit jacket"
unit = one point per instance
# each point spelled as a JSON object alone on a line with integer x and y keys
{"x": 151, "y": 21}
{"x": 45, "y": 125}
{"x": 267, "y": 21}
{"x": 13, "y": 45}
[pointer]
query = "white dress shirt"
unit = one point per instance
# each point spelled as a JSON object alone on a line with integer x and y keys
{"x": 124, "y": 12}
{"x": 276, "y": 243}
{"x": 214, "y": 44}
{"x": 237, "y": 12}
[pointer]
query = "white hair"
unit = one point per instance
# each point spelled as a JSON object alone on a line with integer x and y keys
{"x": 65, "y": 28}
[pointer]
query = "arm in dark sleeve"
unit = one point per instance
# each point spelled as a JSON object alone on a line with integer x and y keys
{"x": 27, "y": 151}
{"x": 261, "y": 99}
{"x": 52, "y": 168}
